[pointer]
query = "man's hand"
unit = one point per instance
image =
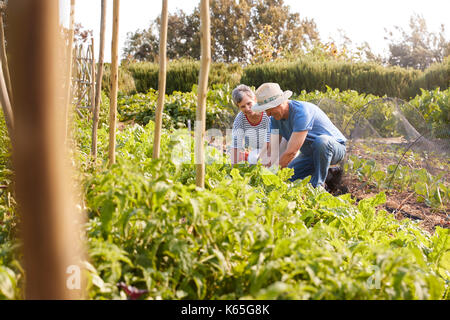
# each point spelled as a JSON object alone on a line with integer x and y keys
{"x": 294, "y": 144}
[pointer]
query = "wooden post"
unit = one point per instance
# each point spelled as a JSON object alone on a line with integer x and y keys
{"x": 49, "y": 223}
{"x": 98, "y": 90}
{"x": 114, "y": 84}
{"x": 4, "y": 58}
{"x": 92, "y": 76}
{"x": 162, "y": 80}
{"x": 69, "y": 54}
{"x": 6, "y": 105}
{"x": 200, "y": 125}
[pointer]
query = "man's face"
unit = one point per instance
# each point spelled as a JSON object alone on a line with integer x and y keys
{"x": 276, "y": 112}
{"x": 246, "y": 105}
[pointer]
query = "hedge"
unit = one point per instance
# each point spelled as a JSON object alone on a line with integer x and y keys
{"x": 303, "y": 74}
{"x": 182, "y": 75}
{"x": 310, "y": 75}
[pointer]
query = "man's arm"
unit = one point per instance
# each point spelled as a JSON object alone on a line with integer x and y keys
{"x": 294, "y": 144}
{"x": 275, "y": 140}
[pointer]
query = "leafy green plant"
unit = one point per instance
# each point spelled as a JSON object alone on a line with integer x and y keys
{"x": 435, "y": 107}
{"x": 249, "y": 234}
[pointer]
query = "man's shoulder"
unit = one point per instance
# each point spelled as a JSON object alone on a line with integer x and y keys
{"x": 298, "y": 107}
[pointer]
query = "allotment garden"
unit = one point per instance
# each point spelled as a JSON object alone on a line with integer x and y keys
{"x": 250, "y": 233}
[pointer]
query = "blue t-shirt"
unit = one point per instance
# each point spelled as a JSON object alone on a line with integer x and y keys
{"x": 306, "y": 116}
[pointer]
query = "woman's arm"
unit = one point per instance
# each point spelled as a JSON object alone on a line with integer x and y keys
{"x": 237, "y": 138}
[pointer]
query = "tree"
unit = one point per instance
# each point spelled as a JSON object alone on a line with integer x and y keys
{"x": 230, "y": 29}
{"x": 235, "y": 28}
{"x": 417, "y": 48}
{"x": 142, "y": 44}
{"x": 183, "y": 38}
{"x": 183, "y": 35}
{"x": 264, "y": 50}
{"x": 290, "y": 32}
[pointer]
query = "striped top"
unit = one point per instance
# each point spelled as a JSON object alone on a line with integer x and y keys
{"x": 254, "y": 135}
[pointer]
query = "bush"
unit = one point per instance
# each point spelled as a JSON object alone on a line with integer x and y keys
{"x": 126, "y": 80}
{"x": 296, "y": 75}
{"x": 436, "y": 76}
{"x": 435, "y": 108}
{"x": 179, "y": 107}
{"x": 182, "y": 75}
{"x": 310, "y": 75}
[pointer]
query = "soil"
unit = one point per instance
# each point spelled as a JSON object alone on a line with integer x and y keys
{"x": 401, "y": 204}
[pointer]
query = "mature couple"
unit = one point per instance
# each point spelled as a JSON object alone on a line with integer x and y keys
{"x": 268, "y": 118}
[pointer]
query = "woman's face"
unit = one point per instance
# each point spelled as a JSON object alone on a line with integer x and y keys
{"x": 246, "y": 105}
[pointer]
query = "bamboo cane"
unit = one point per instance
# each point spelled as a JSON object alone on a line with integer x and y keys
{"x": 51, "y": 245}
{"x": 114, "y": 84}
{"x": 162, "y": 80}
{"x": 6, "y": 105}
{"x": 98, "y": 90}
{"x": 92, "y": 76}
{"x": 202, "y": 91}
{"x": 68, "y": 102}
{"x": 4, "y": 58}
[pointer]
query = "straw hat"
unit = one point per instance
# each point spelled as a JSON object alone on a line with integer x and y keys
{"x": 269, "y": 95}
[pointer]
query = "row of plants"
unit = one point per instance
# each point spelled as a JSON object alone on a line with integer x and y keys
{"x": 293, "y": 74}
{"x": 249, "y": 234}
{"x": 433, "y": 190}
{"x": 181, "y": 75}
{"x": 434, "y": 105}
{"x": 370, "y": 78}
{"x": 179, "y": 107}
{"x": 427, "y": 112}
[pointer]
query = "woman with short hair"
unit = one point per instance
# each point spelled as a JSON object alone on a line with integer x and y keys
{"x": 250, "y": 129}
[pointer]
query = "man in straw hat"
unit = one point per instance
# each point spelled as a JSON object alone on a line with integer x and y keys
{"x": 306, "y": 128}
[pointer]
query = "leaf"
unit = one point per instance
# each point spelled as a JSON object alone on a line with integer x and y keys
{"x": 420, "y": 188}
{"x": 7, "y": 283}
{"x": 235, "y": 174}
{"x": 106, "y": 215}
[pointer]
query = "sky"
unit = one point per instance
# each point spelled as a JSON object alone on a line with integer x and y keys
{"x": 361, "y": 20}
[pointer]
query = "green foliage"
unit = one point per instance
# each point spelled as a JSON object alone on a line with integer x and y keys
{"x": 180, "y": 107}
{"x": 436, "y": 76}
{"x": 304, "y": 72}
{"x": 10, "y": 270}
{"x": 126, "y": 83}
{"x": 5, "y": 143}
{"x": 310, "y": 75}
{"x": 249, "y": 234}
{"x": 435, "y": 108}
{"x": 433, "y": 190}
{"x": 234, "y": 29}
{"x": 182, "y": 75}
